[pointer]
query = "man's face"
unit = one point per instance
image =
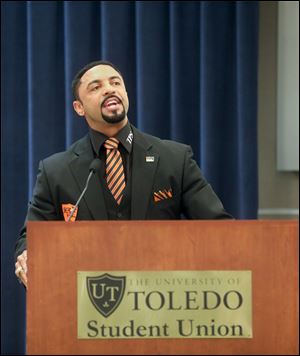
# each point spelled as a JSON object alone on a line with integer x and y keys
{"x": 103, "y": 97}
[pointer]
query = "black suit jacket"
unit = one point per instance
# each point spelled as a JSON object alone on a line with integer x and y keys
{"x": 169, "y": 167}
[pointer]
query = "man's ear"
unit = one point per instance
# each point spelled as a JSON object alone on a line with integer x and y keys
{"x": 78, "y": 107}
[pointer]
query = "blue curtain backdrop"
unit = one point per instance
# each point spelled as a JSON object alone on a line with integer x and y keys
{"x": 191, "y": 74}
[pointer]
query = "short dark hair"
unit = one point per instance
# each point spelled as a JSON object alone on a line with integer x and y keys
{"x": 76, "y": 80}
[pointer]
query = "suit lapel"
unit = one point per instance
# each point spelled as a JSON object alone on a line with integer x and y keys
{"x": 79, "y": 166}
{"x": 144, "y": 164}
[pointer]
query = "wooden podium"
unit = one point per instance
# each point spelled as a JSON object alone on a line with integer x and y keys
{"x": 57, "y": 250}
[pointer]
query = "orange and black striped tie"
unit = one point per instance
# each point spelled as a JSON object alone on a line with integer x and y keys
{"x": 115, "y": 176}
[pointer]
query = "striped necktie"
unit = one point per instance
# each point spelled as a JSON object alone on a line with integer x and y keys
{"x": 115, "y": 176}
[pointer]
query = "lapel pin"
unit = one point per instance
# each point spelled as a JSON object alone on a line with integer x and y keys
{"x": 149, "y": 158}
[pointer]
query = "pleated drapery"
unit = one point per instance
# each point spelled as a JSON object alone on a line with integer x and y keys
{"x": 190, "y": 70}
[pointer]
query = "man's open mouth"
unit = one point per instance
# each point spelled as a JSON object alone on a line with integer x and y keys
{"x": 111, "y": 103}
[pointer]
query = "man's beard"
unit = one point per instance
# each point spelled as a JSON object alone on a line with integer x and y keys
{"x": 115, "y": 118}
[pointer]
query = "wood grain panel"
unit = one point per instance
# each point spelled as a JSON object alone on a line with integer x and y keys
{"x": 57, "y": 250}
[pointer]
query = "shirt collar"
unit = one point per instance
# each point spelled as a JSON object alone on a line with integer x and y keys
{"x": 125, "y": 136}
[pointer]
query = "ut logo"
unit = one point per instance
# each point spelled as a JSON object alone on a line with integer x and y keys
{"x": 106, "y": 292}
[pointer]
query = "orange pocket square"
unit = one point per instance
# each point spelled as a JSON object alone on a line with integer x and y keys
{"x": 162, "y": 195}
{"x": 66, "y": 209}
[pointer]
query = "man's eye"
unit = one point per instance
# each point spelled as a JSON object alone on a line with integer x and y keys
{"x": 116, "y": 83}
{"x": 95, "y": 88}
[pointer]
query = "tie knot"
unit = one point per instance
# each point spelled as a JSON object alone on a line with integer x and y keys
{"x": 111, "y": 143}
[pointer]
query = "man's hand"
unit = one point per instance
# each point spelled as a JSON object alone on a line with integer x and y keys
{"x": 21, "y": 268}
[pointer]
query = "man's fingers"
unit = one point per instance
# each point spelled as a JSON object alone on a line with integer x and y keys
{"x": 21, "y": 274}
{"x": 21, "y": 268}
{"x": 23, "y": 278}
{"x": 22, "y": 260}
{"x": 18, "y": 270}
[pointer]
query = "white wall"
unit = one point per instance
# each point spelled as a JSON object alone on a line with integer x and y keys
{"x": 278, "y": 190}
{"x": 288, "y": 86}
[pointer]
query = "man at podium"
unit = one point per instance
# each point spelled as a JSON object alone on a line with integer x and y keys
{"x": 116, "y": 172}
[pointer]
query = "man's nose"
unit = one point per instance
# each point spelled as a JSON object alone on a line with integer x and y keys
{"x": 108, "y": 89}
